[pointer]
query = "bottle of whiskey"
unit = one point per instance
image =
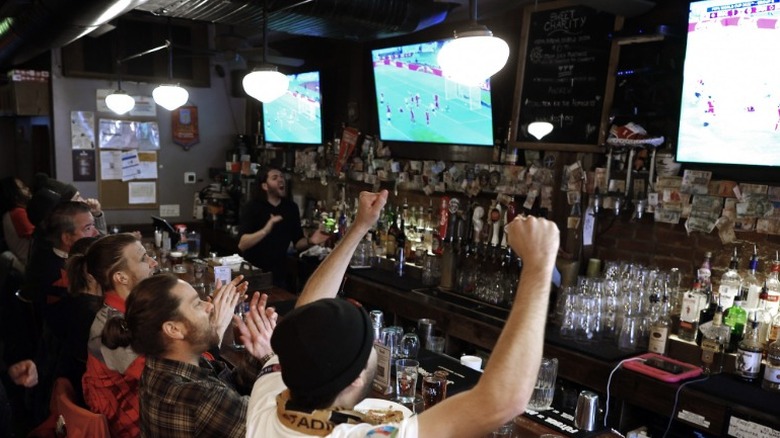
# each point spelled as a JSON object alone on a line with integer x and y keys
{"x": 716, "y": 335}
{"x": 659, "y": 332}
{"x": 749, "y": 354}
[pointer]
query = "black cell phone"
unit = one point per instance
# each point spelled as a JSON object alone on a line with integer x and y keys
{"x": 661, "y": 364}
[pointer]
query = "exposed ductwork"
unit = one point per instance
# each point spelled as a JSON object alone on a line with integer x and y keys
{"x": 31, "y": 27}
{"x": 339, "y": 19}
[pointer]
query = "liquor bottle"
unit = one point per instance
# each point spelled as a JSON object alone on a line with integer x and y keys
{"x": 774, "y": 330}
{"x": 735, "y": 318}
{"x": 773, "y": 287}
{"x": 764, "y": 319}
{"x": 771, "y": 381}
{"x": 716, "y": 336}
{"x": 391, "y": 247}
{"x": 749, "y": 354}
{"x": 401, "y": 248}
{"x": 706, "y": 315}
{"x": 440, "y": 232}
{"x": 693, "y": 302}
{"x": 730, "y": 283}
{"x": 751, "y": 284}
{"x": 659, "y": 331}
{"x": 704, "y": 274}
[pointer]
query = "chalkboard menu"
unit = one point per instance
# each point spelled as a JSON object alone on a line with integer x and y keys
{"x": 563, "y": 74}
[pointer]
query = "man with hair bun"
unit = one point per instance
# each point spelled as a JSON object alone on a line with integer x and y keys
{"x": 182, "y": 392}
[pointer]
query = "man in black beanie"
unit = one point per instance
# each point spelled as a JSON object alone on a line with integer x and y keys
{"x": 325, "y": 362}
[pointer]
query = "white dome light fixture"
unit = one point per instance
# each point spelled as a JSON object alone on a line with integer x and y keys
{"x": 169, "y": 96}
{"x": 119, "y": 101}
{"x": 474, "y": 54}
{"x": 265, "y": 83}
{"x": 540, "y": 129}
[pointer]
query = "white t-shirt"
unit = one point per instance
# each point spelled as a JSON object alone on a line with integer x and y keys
{"x": 263, "y": 422}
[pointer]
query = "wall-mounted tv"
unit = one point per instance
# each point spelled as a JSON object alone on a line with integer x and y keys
{"x": 415, "y": 103}
{"x": 730, "y": 106}
{"x": 296, "y": 117}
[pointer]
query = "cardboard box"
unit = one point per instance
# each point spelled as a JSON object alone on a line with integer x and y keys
{"x": 25, "y": 98}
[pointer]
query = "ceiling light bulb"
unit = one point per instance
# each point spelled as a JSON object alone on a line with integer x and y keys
{"x": 266, "y": 84}
{"x": 539, "y": 129}
{"x": 170, "y": 97}
{"x": 473, "y": 56}
{"x": 120, "y": 102}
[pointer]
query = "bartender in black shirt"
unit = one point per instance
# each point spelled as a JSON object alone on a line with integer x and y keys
{"x": 269, "y": 224}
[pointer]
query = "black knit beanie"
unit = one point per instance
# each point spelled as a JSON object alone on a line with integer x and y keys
{"x": 323, "y": 346}
{"x": 65, "y": 190}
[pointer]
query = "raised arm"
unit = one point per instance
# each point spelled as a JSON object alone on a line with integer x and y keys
{"x": 326, "y": 279}
{"x": 508, "y": 381}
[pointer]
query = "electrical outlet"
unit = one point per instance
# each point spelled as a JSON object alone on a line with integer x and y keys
{"x": 189, "y": 177}
{"x": 169, "y": 210}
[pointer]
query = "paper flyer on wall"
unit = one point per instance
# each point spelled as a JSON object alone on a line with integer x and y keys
{"x": 131, "y": 169}
{"x": 142, "y": 192}
{"x": 110, "y": 165}
{"x": 82, "y": 129}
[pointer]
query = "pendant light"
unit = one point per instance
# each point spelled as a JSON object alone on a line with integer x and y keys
{"x": 170, "y": 96}
{"x": 265, "y": 83}
{"x": 474, "y": 54}
{"x": 119, "y": 101}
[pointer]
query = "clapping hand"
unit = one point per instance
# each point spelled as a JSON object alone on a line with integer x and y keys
{"x": 258, "y": 326}
{"x": 225, "y": 299}
{"x": 24, "y": 373}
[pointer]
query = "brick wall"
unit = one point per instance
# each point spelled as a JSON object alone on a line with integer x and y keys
{"x": 667, "y": 246}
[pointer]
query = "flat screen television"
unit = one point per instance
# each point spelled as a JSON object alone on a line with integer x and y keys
{"x": 296, "y": 117}
{"x": 415, "y": 103}
{"x": 730, "y": 106}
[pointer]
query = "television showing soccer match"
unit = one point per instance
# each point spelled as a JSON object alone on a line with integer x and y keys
{"x": 415, "y": 103}
{"x": 296, "y": 117}
{"x": 730, "y": 110}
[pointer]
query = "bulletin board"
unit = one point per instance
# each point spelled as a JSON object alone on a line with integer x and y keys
{"x": 565, "y": 76}
{"x": 141, "y": 139}
{"x": 114, "y": 195}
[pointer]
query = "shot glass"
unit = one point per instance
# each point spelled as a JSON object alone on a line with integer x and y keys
{"x": 406, "y": 380}
{"x": 436, "y": 344}
{"x": 544, "y": 389}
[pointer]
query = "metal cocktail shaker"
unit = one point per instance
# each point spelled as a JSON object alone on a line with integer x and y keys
{"x": 586, "y": 414}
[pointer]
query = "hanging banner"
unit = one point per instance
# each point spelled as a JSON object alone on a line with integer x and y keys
{"x": 184, "y": 126}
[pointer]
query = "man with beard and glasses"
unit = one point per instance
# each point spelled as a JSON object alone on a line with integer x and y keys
{"x": 326, "y": 362}
{"x": 269, "y": 224}
{"x": 182, "y": 393}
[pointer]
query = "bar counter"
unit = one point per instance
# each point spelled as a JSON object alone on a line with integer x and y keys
{"x": 715, "y": 407}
